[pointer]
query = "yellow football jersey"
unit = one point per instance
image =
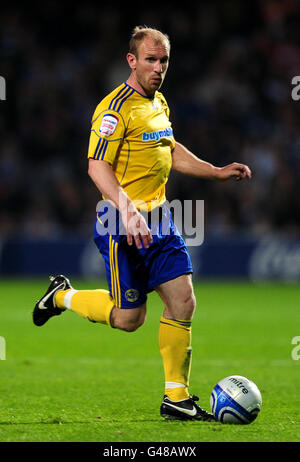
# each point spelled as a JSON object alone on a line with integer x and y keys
{"x": 134, "y": 134}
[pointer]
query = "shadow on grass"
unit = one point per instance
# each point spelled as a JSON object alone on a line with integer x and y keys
{"x": 65, "y": 422}
{"x": 50, "y": 422}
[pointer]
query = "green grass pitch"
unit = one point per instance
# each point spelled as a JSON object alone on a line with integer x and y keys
{"x": 72, "y": 380}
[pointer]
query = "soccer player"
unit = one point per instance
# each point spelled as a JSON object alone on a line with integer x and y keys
{"x": 131, "y": 152}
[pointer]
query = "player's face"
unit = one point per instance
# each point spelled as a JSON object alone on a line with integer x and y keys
{"x": 151, "y": 65}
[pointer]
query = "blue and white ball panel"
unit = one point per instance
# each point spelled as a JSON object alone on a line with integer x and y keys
{"x": 227, "y": 410}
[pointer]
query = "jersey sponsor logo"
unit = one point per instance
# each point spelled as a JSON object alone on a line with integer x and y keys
{"x": 108, "y": 125}
{"x": 157, "y": 135}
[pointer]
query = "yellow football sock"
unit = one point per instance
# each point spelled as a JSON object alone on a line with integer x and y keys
{"x": 175, "y": 348}
{"x": 95, "y": 305}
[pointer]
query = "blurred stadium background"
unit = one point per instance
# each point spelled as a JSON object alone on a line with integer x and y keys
{"x": 229, "y": 91}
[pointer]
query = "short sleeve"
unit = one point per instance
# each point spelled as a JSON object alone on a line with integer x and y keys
{"x": 107, "y": 132}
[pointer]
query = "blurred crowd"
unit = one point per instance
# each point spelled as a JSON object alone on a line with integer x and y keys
{"x": 229, "y": 91}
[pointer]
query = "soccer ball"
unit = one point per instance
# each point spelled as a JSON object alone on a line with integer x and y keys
{"x": 235, "y": 400}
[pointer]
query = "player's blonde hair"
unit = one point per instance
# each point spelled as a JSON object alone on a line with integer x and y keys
{"x": 140, "y": 32}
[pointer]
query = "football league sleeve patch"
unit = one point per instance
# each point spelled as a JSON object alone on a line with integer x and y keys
{"x": 107, "y": 132}
{"x": 108, "y": 125}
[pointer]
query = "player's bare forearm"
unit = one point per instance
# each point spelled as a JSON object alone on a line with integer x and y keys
{"x": 104, "y": 178}
{"x": 186, "y": 162}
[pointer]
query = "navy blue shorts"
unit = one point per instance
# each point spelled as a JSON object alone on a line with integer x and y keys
{"x": 132, "y": 273}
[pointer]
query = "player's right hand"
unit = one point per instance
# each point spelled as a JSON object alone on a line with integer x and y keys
{"x": 137, "y": 229}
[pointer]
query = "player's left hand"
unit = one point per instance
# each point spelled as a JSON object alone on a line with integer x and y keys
{"x": 234, "y": 170}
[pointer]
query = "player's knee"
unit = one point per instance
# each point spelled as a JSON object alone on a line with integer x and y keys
{"x": 182, "y": 307}
{"x": 187, "y": 299}
{"x": 131, "y": 326}
{"x": 130, "y": 323}
{"x": 189, "y": 305}
{"x": 185, "y": 306}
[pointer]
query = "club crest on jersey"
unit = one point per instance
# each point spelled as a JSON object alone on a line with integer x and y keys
{"x": 108, "y": 125}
